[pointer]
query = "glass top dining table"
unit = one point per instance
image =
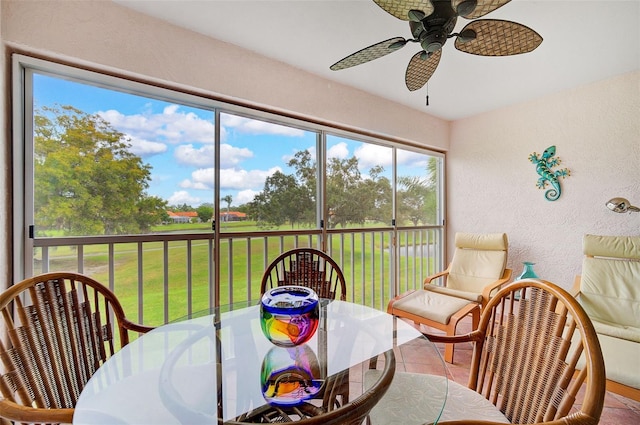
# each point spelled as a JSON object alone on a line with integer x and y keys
{"x": 218, "y": 367}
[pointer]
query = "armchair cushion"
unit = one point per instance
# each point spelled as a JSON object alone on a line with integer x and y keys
{"x": 620, "y": 359}
{"x": 431, "y": 305}
{"x": 479, "y": 260}
{"x": 470, "y": 296}
{"x": 629, "y": 333}
{"x": 610, "y": 284}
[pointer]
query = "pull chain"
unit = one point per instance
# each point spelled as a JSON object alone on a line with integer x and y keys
{"x": 427, "y": 99}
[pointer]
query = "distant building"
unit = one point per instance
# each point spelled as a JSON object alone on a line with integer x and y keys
{"x": 232, "y": 216}
{"x": 183, "y": 216}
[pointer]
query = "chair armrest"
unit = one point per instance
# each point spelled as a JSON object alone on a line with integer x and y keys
{"x": 428, "y": 280}
{"x": 575, "y": 290}
{"x": 473, "y": 336}
{"x": 136, "y": 327}
{"x": 495, "y": 286}
{"x": 18, "y": 413}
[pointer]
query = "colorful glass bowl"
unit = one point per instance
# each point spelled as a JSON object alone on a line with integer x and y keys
{"x": 289, "y": 315}
{"x": 291, "y": 375}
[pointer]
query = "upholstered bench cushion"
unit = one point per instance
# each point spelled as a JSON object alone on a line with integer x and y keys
{"x": 629, "y": 333}
{"x": 431, "y": 305}
{"x": 416, "y": 398}
{"x": 469, "y": 296}
{"x": 621, "y": 360}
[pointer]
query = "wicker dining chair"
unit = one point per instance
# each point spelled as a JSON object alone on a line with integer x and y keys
{"x": 59, "y": 328}
{"x": 307, "y": 267}
{"x": 524, "y": 363}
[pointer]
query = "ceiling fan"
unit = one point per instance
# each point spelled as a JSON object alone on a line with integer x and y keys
{"x": 432, "y": 23}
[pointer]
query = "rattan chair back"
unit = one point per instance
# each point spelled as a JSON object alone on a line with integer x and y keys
{"x": 59, "y": 328}
{"x": 307, "y": 267}
{"x": 530, "y": 338}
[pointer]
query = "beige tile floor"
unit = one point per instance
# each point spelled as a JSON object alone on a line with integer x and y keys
{"x": 617, "y": 410}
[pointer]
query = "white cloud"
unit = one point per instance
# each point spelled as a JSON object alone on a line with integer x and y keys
{"x": 183, "y": 197}
{"x": 244, "y": 196}
{"x": 204, "y": 156}
{"x": 412, "y": 159}
{"x": 339, "y": 151}
{"x": 230, "y": 179}
{"x": 200, "y": 157}
{"x": 171, "y": 126}
{"x": 251, "y": 126}
{"x": 370, "y": 155}
{"x": 145, "y": 148}
{"x": 231, "y": 156}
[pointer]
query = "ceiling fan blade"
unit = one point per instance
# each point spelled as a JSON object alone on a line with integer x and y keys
{"x": 400, "y": 8}
{"x": 493, "y": 37}
{"x": 370, "y": 53}
{"x": 420, "y": 70}
{"x": 482, "y": 7}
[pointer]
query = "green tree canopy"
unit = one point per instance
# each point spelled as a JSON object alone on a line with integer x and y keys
{"x": 87, "y": 181}
{"x": 280, "y": 201}
{"x": 352, "y": 198}
{"x": 205, "y": 212}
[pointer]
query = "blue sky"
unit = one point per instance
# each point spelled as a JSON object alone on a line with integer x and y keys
{"x": 178, "y": 142}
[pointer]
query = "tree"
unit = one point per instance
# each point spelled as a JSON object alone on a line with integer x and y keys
{"x": 279, "y": 202}
{"x": 205, "y": 212}
{"x": 417, "y": 201}
{"x": 345, "y": 203}
{"x": 87, "y": 181}
{"x": 228, "y": 199}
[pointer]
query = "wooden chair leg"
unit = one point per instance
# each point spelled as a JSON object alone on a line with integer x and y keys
{"x": 474, "y": 310}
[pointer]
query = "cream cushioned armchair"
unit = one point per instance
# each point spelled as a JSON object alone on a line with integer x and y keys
{"x": 609, "y": 291}
{"x": 477, "y": 270}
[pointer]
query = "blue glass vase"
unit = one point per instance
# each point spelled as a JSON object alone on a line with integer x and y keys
{"x": 528, "y": 272}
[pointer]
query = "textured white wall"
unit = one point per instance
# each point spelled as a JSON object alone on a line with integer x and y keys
{"x": 491, "y": 183}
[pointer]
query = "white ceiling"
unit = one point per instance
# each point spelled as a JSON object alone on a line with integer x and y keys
{"x": 584, "y": 41}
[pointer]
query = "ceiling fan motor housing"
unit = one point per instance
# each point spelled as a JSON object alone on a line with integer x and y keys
{"x": 437, "y": 27}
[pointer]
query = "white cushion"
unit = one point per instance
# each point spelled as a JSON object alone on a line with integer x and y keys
{"x": 415, "y": 398}
{"x": 629, "y": 333}
{"x": 610, "y": 282}
{"x": 470, "y": 296}
{"x": 430, "y": 305}
{"x": 620, "y": 359}
{"x": 478, "y": 260}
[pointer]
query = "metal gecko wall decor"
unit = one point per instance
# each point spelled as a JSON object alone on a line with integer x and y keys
{"x": 544, "y": 163}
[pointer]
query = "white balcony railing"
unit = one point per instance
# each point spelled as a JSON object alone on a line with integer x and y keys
{"x": 161, "y": 277}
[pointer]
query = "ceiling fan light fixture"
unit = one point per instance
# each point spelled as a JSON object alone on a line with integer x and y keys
{"x": 467, "y": 35}
{"x": 397, "y": 45}
{"x": 465, "y": 7}
{"x": 416, "y": 15}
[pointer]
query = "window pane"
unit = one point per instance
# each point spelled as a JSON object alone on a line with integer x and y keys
{"x": 358, "y": 183}
{"x": 268, "y": 176}
{"x": 107, "y": 162}
{"x": 417, "y": 190}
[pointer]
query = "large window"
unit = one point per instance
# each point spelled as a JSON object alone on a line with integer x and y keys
{"x": 102, "y": 159}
